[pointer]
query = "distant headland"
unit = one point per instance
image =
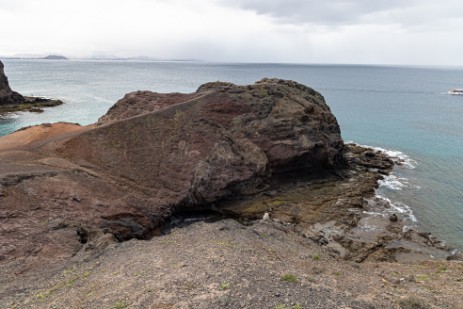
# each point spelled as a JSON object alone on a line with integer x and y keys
{"x": 37, "y": 57}
{"x": 55, "y": 57}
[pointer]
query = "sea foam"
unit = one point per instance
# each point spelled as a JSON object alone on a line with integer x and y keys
{"x": 398, "y": 157}
{"x": 393, "y": 182}
{"x": 389, "y": 183}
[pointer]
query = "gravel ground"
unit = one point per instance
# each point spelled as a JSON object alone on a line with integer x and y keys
{"x": 228, "y": 265}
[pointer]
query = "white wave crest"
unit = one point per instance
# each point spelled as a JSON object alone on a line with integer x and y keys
{"x": 398, "y": 208}
{"x": 398, "y": 157}
{"x": 10, "y": 116}
{"x": 393, "y": 182}
{"x": 381, "y": 205}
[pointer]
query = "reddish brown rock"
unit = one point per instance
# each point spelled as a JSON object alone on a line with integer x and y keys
{"x": 155, "y": 154}
{"x": 194, "y": 149}
{"x": 273, "y": 147}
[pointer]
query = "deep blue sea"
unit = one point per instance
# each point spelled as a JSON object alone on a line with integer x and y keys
{"x": 402, "y": 109}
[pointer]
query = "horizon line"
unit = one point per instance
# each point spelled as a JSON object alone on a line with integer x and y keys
{"x": 153, "y": 59}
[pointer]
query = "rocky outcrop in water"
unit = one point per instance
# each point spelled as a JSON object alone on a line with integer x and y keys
{"x": 272, "y": 147}
{"x": 11, "y": 101}
{"x": 7, "y": 96}
{"x": 183, "y": 152}
{"x": 155, "y": 154}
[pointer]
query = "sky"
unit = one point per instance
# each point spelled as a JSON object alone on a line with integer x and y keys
{"x": 408, "y": 32}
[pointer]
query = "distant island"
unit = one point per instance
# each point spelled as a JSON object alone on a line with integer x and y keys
{"x": 97, "y": 58}
{"x": 55, "y": 57}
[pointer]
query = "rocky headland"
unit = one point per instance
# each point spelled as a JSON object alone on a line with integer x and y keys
{"x": 284, "y": 207}
{"x": 55, "y": 57}
{"x": 11, "y": 101}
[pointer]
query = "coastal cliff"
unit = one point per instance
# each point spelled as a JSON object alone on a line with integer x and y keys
{"x": 11, "y": 101}
{"x": 7, "y": 96}
{"x": 269, "y": 155}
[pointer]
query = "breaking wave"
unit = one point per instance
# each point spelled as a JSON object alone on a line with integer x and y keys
{"x": 382, "y": 204}
{"x": 398, "y": 157}
{"x": 393, "y": 182}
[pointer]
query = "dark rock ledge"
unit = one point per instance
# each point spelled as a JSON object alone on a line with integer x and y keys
{"x": 11, "y": 101}
{"x": 270, "y": 150}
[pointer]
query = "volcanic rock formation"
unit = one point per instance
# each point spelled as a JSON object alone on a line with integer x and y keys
{"x": 187, "y": 151}
{"x": 156, "y": 154}
{"x": 273, "y": 147}
{"x": 7, "y": 96}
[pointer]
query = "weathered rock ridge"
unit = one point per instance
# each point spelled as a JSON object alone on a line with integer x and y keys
{"x": 271, "y": 147}
{"x": 222, "y": 140}
{"x": 7, "y": 96}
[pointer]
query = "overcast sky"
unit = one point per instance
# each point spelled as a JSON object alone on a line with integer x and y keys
{"x": 295, "y": 31}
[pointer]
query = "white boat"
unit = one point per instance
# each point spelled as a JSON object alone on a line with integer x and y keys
{"x": 456, "y": 91}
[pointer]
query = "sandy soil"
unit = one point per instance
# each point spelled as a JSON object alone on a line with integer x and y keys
{"x": 41, "y": 133}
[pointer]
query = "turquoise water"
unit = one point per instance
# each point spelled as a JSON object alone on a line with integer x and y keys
{"x": 406, "y": 109}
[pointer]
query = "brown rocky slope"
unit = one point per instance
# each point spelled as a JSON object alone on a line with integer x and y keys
{"x": 274, "y": 147}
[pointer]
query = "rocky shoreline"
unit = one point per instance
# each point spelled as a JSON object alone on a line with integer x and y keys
{"x": 348, "y": 219}
{"x": 11, "y": 101}
{"x": 269, "y": 155}
{"x": 30, "y": 104}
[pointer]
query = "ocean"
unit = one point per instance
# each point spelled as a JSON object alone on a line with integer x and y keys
{"x": 405, "y": 111}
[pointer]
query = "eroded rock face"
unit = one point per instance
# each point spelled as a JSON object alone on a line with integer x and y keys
{"x": 271, "y": 147}
{"x": 224, "y": 141}
{"x": 7, "y": 96}
{"x": 155, "y": 154}
{"x": 197, "y": 148}
{"x": 5, "y": 90}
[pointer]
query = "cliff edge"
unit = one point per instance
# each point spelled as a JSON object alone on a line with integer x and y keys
{"x": 269, "y": 155}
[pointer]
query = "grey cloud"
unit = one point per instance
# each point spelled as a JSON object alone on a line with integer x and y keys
{"x": 333, "y": 12}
